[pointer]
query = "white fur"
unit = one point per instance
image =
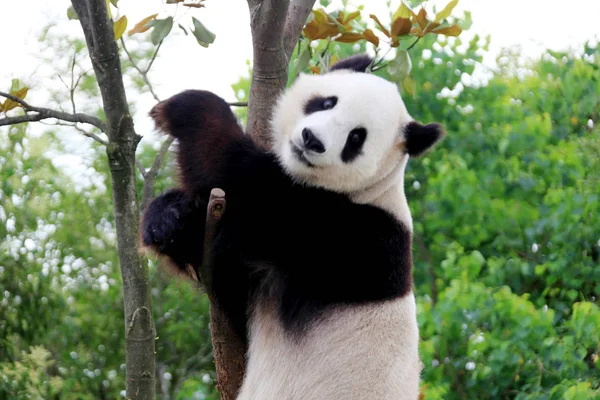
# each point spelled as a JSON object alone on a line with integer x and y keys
{"x": 352, "y": 352}
{"x": 364, "y": 100}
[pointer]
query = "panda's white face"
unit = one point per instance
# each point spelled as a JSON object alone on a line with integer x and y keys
{"x": 343, "y": 131}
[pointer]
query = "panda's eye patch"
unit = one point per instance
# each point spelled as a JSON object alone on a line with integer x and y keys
{"x": 320, "y": 103}
{"x": 357, "y": 136}
{"x": 354, "y": 144}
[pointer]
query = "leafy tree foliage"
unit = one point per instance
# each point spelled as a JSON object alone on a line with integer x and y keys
{"x": 61, "y": 314}
{"x": 507, "y": 224}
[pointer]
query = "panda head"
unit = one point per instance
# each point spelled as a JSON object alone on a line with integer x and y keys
{"x": 347, "y": 129}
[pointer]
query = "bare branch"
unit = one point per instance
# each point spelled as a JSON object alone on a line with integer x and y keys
{"x": 44, "y": 113}
{"x": 297, "y": 14}
{"x": 143, "y": 171}
{"x": 20, "y": 119}
{"x": 238, "y": 104}
{"x": 143, "y": 73}
{"x": 153, "y": 57}
{"x": 152, "y": 173}
{"x": 91, "y": 135}
{"x": 140, "y": 335}
{"x": 73, "y": 85}
{"x": 22, "y": 102}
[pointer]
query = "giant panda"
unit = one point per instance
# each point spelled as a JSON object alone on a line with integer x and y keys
{"x": 312, "y": 257}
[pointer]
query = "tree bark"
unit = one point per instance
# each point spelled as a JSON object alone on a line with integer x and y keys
{"x": 140, "y": 332}
{"x": 228, "y": 349}
{"x": 269, "y": 66}
{"x": 275, "y": 27}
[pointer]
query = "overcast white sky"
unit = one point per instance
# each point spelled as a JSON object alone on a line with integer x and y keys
{"x": 183, "y": 64}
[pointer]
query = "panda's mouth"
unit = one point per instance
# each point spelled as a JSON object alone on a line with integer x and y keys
{"x": 299, "y": 153}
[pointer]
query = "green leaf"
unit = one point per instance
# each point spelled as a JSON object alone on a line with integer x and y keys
{"x": 466, "y": 23}
{"x": 445, "y": 13}
{"x": 108, "y": 9}
{"x": 409, "y": 85}
{"x": 160, "y": 29}
{"x": 203, "y": 35}
{"x": 403, "y": 11}
{"x": 71, "y": 14}
{"x": 114, "y": 3}
{"x": 15, "y": 84}
{"x": 119, "y": 27}
{"x": 303, "y": 60}
{"x": 299, "y": 64}
{"x": 183, "y": 29}
{"x": 399, "y": 68}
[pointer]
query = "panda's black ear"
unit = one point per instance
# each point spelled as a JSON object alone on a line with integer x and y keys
{"x": 358, "y": 63}
{"x": 420, "y": 138}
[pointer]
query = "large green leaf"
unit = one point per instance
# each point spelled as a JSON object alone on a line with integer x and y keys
{"x": 400, "y": 67}
{"x": 160, "y": 29}
{"x": 202, "y": 35}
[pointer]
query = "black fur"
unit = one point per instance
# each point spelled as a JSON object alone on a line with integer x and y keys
{"x": 302, "y": 249}
{"x": 354, "y": 144}
{"x": 320, "y": 103}
{"x": 311, "y": 142}
{"x": 172, "y": 228}
{"x": 358, "y": 63}
{"x": 420, "y": 138}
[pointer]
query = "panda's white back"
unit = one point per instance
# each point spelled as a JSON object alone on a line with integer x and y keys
{"x": 359, "y": 352}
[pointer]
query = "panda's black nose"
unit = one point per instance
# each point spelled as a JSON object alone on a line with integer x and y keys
{"x": 311, "y": 142}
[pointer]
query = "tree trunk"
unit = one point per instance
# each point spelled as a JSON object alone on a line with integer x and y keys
{"x": 140, "y": 332}
{"x": 275, "y": 26}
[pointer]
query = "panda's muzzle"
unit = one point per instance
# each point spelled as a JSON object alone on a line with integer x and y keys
{"x": 299, "y": 153}
{"x": 311, "y": 142}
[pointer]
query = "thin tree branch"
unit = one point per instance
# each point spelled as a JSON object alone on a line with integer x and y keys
{"x": 238, "y": 104}
{"x": 297, "y": 14}
{"x": 140, "y": 333}
{"x": 152, "y": 173}
{"x": 44, "y": 113}
{"x": 91, "y": 135}
{"x": 414, "y": 43}
{"x": 153, "y": 57}
{"x": 143, "y": 171}
{"x": 73, "y": 85}
{"x": 143, "y": 73}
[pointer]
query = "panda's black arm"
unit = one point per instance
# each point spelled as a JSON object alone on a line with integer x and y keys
{"x": 173, "y": 226}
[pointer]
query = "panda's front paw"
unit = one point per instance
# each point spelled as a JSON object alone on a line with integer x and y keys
{"x": 160, "y": 230}
{"x": 164, "y": 220}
